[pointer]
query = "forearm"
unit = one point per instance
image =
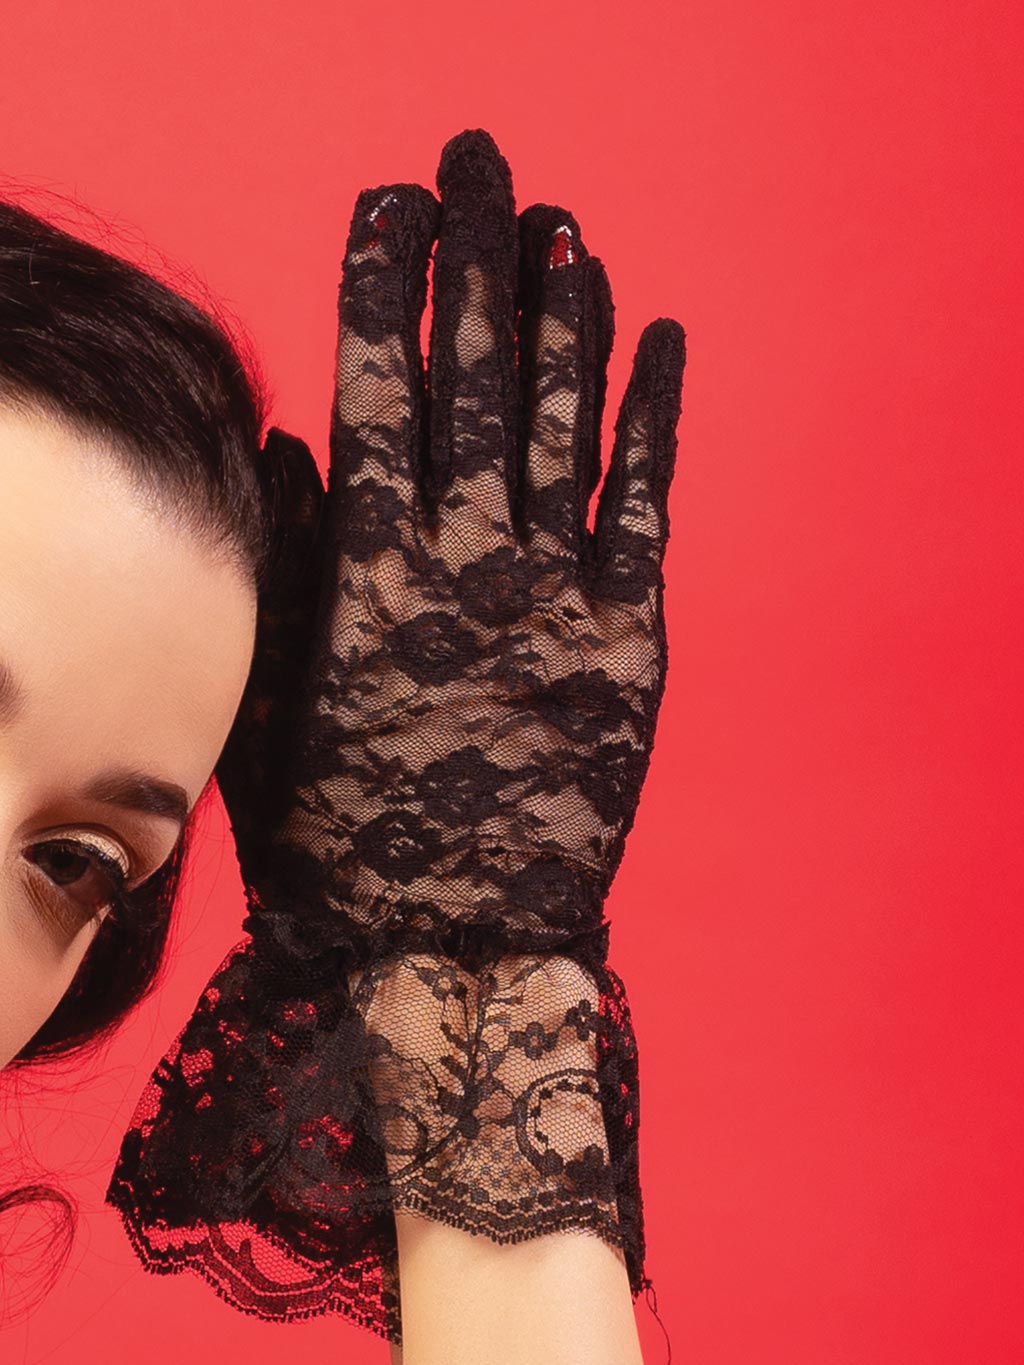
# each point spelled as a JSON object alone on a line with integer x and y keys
{"x": 563, "y": 1297}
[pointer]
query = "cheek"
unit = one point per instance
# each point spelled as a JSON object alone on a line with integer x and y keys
{"x": 35, "y": 971}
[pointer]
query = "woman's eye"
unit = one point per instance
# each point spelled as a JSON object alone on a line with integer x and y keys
{"x": 85, "y": 876}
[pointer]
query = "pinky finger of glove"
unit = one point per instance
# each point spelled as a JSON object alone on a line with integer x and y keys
{"x": 632, "y": 527}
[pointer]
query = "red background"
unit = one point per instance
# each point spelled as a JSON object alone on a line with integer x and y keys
{"x": 818, "y": 916}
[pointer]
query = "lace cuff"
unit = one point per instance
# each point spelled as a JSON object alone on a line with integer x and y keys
{"x": 307, "y": 1100}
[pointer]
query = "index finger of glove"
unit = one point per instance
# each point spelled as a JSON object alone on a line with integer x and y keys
{"x": 377, "y": 424}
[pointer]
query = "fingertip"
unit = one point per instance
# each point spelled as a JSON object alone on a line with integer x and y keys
{"x": 400, "y": 219}
{"x": 292, "y": 456}
{"x": 550, "y": 236}
{"x": 472, "y": 154}
{"x": 657, "y": 379}
{"x": 662, "y": 349}
{"x": 282, "y": 444}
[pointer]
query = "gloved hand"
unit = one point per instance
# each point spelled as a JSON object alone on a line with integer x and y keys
{"x": 424, "y": 1017}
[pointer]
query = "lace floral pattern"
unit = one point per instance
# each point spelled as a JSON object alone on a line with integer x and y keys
{"x": 431, "y": 782}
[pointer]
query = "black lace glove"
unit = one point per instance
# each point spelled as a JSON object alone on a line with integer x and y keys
{"x": 423, "y": 1017}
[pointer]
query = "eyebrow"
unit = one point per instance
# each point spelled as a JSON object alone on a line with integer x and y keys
{"x": 124, "y": 787}
{"x": 12, "y": 698}
{"x": 139, "y": 791}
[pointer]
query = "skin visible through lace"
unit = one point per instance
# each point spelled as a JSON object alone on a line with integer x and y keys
{"x": 425, "y": 1018}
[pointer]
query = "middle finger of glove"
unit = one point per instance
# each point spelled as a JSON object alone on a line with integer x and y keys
{"x": 474, "y": 392}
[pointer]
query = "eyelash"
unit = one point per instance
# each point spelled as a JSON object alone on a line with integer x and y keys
{"x": 108, "y": 868}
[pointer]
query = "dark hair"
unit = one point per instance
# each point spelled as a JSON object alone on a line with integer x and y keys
{"x": 105, "y": 348}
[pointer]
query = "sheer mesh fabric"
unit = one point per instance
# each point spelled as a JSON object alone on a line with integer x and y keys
{"x": 431, "y": 780}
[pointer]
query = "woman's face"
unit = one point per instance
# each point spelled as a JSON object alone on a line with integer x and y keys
{"x": 124, "y": 648}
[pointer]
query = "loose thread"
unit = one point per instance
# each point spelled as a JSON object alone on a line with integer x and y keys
{"x": 650, "y": 1294}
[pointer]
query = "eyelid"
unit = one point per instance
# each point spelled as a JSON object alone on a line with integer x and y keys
{"x": 92, "y": 840}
